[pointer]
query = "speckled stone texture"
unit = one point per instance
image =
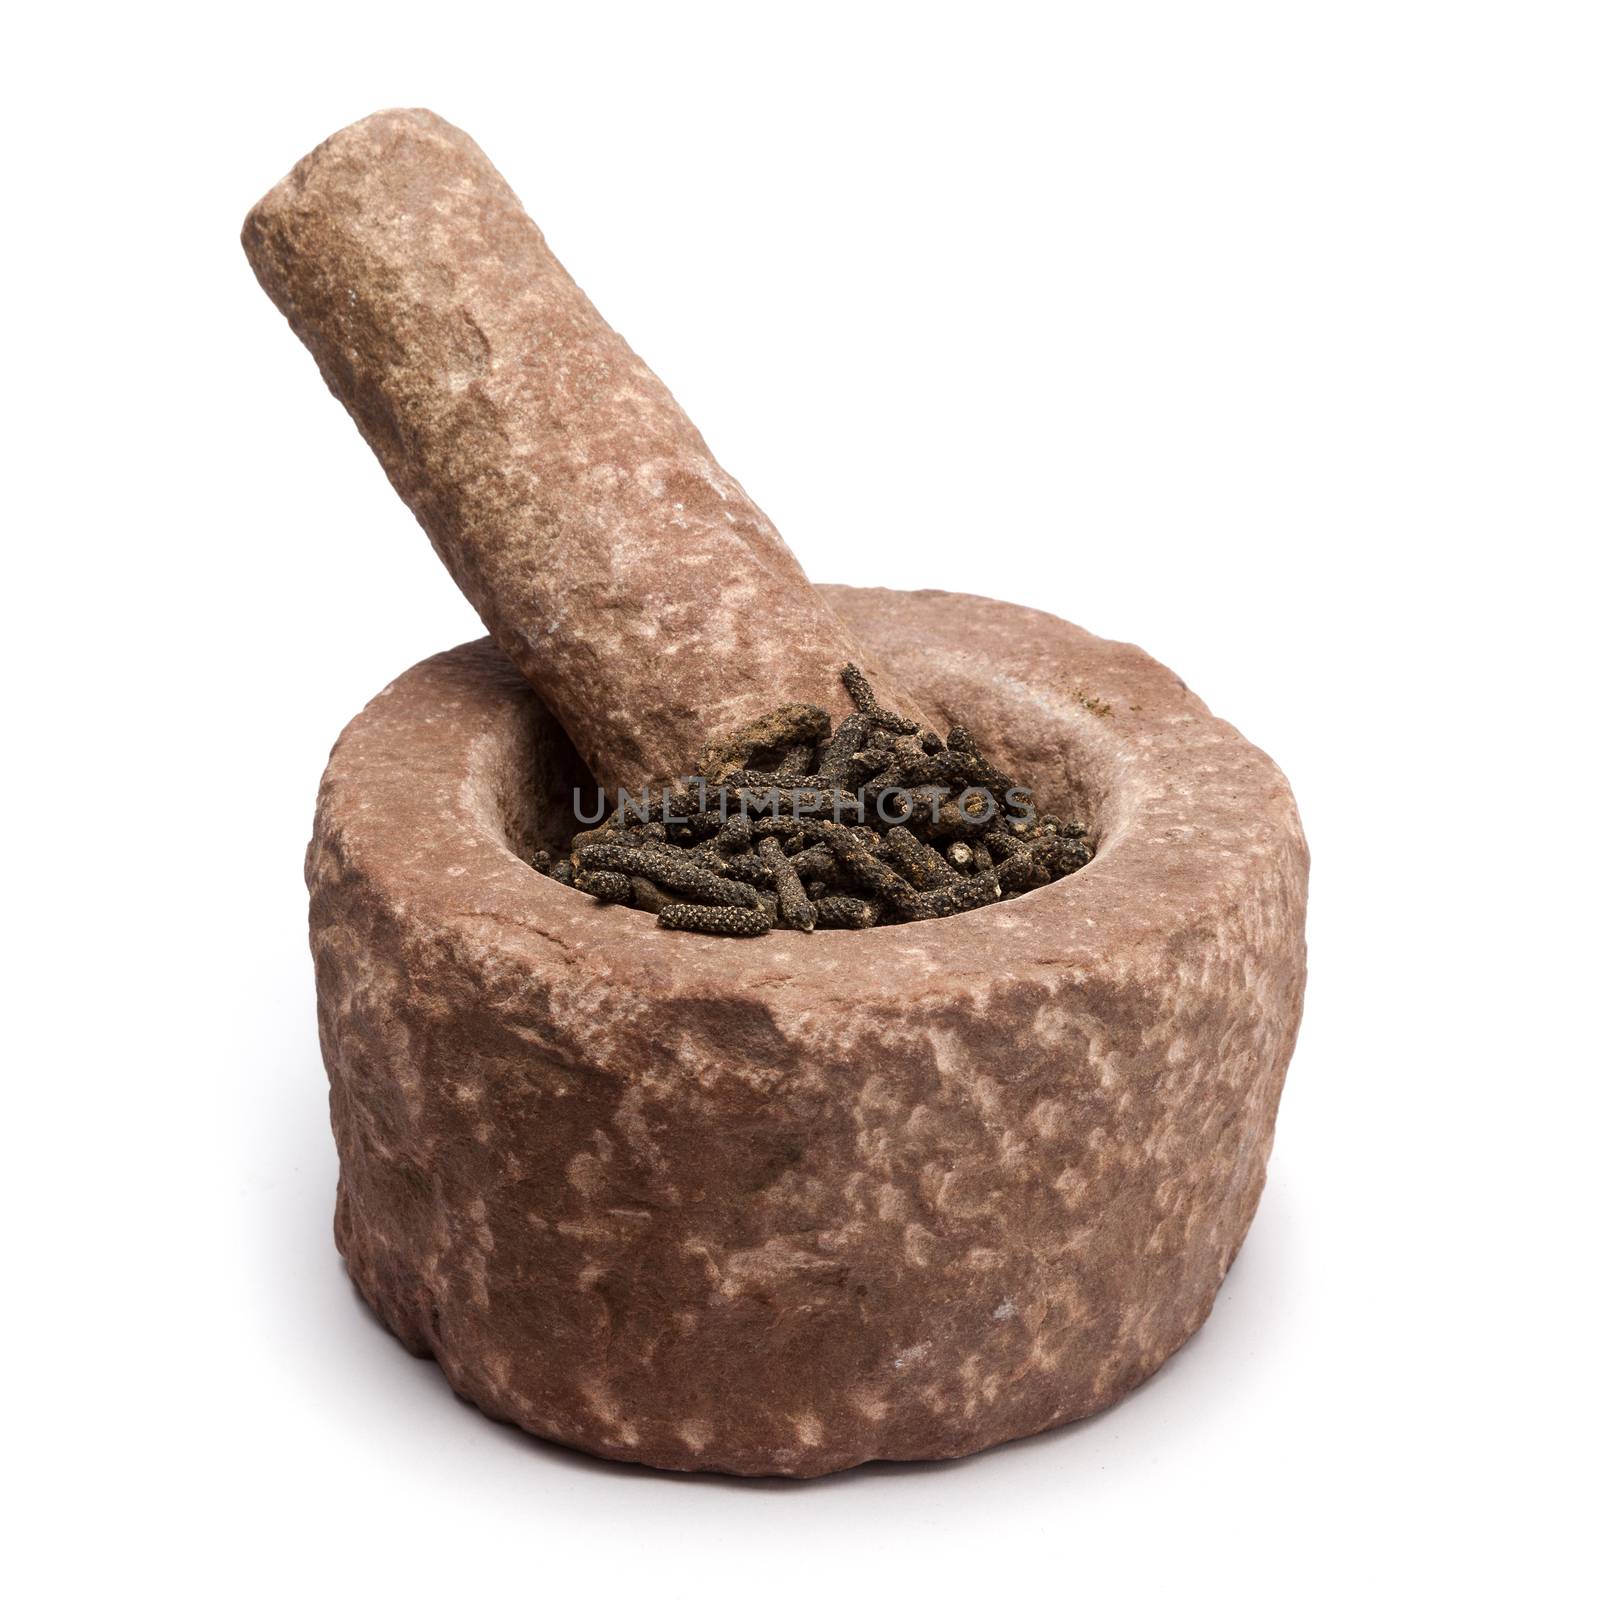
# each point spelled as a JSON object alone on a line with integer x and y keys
{"x": 784, "y": 1205}
{"x": 575, "y": 504}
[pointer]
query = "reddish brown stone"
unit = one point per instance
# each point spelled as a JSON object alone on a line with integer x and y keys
{"x": 787, "y": 1204}
{"x": 637, "y": 586}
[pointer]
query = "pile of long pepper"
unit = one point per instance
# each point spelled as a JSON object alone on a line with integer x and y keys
{"x": 790, "y": 823}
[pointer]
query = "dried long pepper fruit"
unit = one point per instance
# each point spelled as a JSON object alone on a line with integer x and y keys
{"x": 792, "y": 823}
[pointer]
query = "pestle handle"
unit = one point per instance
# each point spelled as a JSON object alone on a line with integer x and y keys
{"x": 635, "y": 584}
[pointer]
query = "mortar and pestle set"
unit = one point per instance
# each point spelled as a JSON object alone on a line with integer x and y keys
{"x": 775, "y": 1205}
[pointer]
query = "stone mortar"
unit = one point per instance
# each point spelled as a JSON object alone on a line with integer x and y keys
{"x": 784, "y": 1205}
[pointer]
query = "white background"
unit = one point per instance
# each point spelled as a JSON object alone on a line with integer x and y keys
{"x": 1263, "y": 335}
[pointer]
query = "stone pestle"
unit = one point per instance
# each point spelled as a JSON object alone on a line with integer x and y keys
{"x": 634, "y": 583}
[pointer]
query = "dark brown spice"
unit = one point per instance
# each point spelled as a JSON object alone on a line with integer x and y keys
{"x": 845, "y": 911}
{"x": 790, "y": 823}
{"x": 605, "y": 885}
{"x": 859, "y": 690}
{"x": 862, "y": 864}
{"x": 735, "y": 836}
{"x": 670, "y": 869}
{"x": 847, "y": 740}
{"x": 796, "y": 762}
{"x": 794, "y": 909}
{"x": 919, "y": 863}
{"x": 647, "y": 897}
{"x": 731, "y": 921}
